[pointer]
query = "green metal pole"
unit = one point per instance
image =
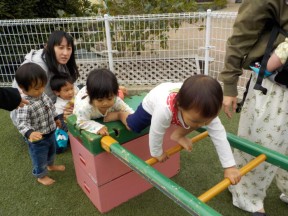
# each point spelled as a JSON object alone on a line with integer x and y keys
{"x": 254, "y": 149}
{"x": 178, "y": 194}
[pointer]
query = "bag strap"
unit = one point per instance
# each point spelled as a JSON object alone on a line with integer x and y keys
{"x": 276, "y": 29}
{"x": 274, "y": 33}
{"x": 241, "y": 103}
{"x": 283, "y": 32}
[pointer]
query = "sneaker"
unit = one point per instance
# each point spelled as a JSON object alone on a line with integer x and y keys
{"x": 259, "y": 214}
{"x": 284, "y": 198}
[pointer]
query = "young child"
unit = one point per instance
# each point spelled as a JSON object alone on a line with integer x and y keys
{"x": 99, "y": 98}
{"x": 37, "y": 121}
{"x": 190, "y": 105}
{"x": 277, "y": 59}
{"x": 63, "y": 87}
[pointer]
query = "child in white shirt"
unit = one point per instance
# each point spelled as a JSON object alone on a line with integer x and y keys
{"x": 99, "y": 98}
{"x": 63, "y": 87}
{"x": 189, "y": 105}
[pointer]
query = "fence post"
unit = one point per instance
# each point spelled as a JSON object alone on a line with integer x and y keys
{"x": 207, "y": 41}
{"x": 109, "y": 42}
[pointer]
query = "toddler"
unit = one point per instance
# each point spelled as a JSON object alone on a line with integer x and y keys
{"x": 99, "y": 98}
{"x": 37, "y": 121}
{"x": 189, "y": 105}
{"x": 63, "y": 87}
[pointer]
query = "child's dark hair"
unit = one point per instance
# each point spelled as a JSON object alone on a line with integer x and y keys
{"x": 58, "y": 81}
{"x": 49, "y": 55}
{"x": 30, "y": 75}
{"x": 201, "y": 93}
{"x": 101, "y": 83}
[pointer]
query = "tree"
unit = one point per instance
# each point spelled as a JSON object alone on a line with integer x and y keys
{"x": 133, "y": 7}
{"x": 143, "y": 30}
{"x": 28, "y": 9}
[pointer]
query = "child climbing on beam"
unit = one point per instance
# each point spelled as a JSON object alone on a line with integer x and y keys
{"x": 189, "y": 105}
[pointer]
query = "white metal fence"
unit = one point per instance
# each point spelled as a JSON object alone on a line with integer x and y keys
{"x": 141, "y": 50}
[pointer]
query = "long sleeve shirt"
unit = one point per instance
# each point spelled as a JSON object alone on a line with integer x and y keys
{"x": 61, "y": 104}
{"x": 155, "y": 103}
{"x": 250, "y": 36}
{"x": 85, "y": 112}
{"x": 35, "y": 56}
{"x": 39, "y": 115}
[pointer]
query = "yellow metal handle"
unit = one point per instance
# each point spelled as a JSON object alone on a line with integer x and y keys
{"x": 205, "y": 197}
{"x": 177, "y": 148}
{"x": 106, "y": 142}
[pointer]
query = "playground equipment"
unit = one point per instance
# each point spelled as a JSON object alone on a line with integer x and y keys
{"x": 108, "y": 182}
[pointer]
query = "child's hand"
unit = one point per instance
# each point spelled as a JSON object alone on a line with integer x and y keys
{"x": 233, "y": 174}
{"x": 34, "y": 136}
{"x": 163, "y": 157}
{"x": 67, "y": 111}
{"x": 58, "y": 123}
{"x": 103, "y": 131}
{"x": 186, "y": 143}
{"x": 111, "y": 116}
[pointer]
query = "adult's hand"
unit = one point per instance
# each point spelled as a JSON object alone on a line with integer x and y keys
{"x": 23, "y": 102}
{"x": 229, "y": 105}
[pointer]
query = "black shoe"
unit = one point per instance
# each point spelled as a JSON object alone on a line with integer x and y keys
{"x": 259, "y": 214}
{"x": 60, "y": 150}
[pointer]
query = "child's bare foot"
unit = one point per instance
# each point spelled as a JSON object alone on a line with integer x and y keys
{"x": 46, "y": 180}
{"x": 124, "y": 90}
{"x": 56, "y": 168}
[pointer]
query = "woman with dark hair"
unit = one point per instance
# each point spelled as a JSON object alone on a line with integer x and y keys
{"x": 56, "y": 58}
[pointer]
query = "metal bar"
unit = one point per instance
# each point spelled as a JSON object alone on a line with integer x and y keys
{"x": 254, "y": 149}
{"x": 109, "y": 42}
{"x": 208, "y": 195}
{"x": 207, "y": 41}
{"x": 178, "y": 194}
{"x": 177, "y": 148}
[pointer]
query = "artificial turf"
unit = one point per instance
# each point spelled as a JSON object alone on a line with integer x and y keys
{"x": 21, "y": 195}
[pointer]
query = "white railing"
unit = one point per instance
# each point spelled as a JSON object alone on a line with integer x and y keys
{"x": 142, "y": 50}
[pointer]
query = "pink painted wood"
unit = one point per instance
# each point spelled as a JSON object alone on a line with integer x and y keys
{"x": 107, "y": 181}
{"x": 105, "y": 167}
{"x": 121, "y": 189}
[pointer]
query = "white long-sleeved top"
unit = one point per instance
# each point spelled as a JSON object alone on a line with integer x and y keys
{"x": 60, "y": 105}
{"x": 155, "y": 103}
{"x": 85, "y": 112}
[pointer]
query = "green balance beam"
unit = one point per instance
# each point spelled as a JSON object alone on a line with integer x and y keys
{"x": 178, "y": 194}
{"x": 254, "y": 149}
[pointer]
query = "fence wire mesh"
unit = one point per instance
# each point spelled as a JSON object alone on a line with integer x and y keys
{"x": 141, "y": 50}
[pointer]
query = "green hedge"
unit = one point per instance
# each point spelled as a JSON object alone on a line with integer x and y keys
{"x": 213, "y": 5}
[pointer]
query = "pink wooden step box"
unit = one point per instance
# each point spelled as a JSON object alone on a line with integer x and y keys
{"x": 107, "y": 181}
